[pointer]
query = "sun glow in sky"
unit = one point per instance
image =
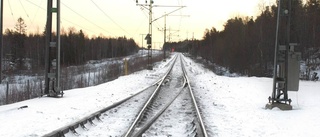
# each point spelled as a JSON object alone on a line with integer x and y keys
{"x": 113, "y": 18}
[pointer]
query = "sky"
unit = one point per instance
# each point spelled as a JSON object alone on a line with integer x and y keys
{"x": 113, "y": 18}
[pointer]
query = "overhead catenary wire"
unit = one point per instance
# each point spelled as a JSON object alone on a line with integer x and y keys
{"x": 37, "y": 11}
{"x": 110, "y": 18}
{"x": 180, "y": 21}
{"x": 79, "y": 26}
{"x": 11, "y": 10}
{"x": 25, "y": 11}
{"x": 157, "y": 24}
{"x": 32, "y": 18}
{"x": 36, "y": 5}
{"x": 86, "y": 19}
{"x": 39, "y": 7}
{"x": 142, "y": 21}
{"x": 145, "y": 14}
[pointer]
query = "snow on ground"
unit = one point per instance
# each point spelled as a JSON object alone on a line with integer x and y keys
{"x": 45, "y": 114}
{"x": 235, "y": 106}
{"x": 230, "y": 106}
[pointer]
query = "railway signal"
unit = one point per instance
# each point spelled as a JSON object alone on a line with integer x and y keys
{"x": 286, "y": 61}
{"x": 149, "y": 35}
{"x": 148, "y": 38}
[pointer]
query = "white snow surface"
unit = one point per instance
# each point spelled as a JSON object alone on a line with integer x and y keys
{"x": 231, "y": 106}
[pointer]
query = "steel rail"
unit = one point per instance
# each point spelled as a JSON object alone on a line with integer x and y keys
{"x": 150, "y": 122}
{"x": 146, "y": 127}
{"x": 202, "y": 126}
{"x": 131, "y": 128}
{"x": 96, "y": 115}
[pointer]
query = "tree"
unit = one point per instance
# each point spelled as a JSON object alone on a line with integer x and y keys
{"x": 76, "y": 47}
{"x": 20, "y": 27}
{"x": 19, "y": 38}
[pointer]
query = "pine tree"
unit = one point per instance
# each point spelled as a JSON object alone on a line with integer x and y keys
{"x": 19, "y": 38}
{"x": 20, "y": 27}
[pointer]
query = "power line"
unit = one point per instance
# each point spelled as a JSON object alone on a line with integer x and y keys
{"x": 146, "y": 16}
{"x": 39, "y": 7}
{"x": 35, "y": 5}
{"x": 79, "y": 26}
{"x": 11, "y": 10}
{"x": 157, "y": 23}
{"x": 139, "y": 26}
{"x": 31, "y": 23}
{"x": 37, "y": 11}
{"x": 24, "y": 9}
{"x": 180, "y": 3}
{"x": 86, "y": 19}
{"x": 109, "y": 17}
{"x": 144, "y": 12}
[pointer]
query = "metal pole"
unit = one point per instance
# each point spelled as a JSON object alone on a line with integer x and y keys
{"x": 150, "y": 32}
{"x": 164, "y": 37}
{"x": 58, "y": 44}
{"x": 28, "y": 89}
{"x": 276, "y": 54}
{"x": 7, "y": 93}
{"x": 1, "y": 38}
{"x": 48, "y": 40}
{"x": 142, "y": 42}
{"x": 287, "y": 51}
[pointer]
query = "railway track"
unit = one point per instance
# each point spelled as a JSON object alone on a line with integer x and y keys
{"x": 151, "y": 111}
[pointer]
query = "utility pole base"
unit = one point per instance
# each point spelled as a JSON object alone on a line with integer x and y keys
{"x": 150, "y": 67}
{"x": 55, "y": 94}
{"x": 281, "y": 106}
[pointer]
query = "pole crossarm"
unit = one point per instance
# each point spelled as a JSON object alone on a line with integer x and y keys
{"x": 148, "y": 38}
{"x": 143, "y": 6}
{"x": 168, "y": 6}
{"x": 180, "y": 15}
{"x": 180, "y": 7}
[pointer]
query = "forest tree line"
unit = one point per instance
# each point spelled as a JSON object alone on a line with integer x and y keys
{"x": 246, "y": 45}
{"x": 24, "y": 51}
